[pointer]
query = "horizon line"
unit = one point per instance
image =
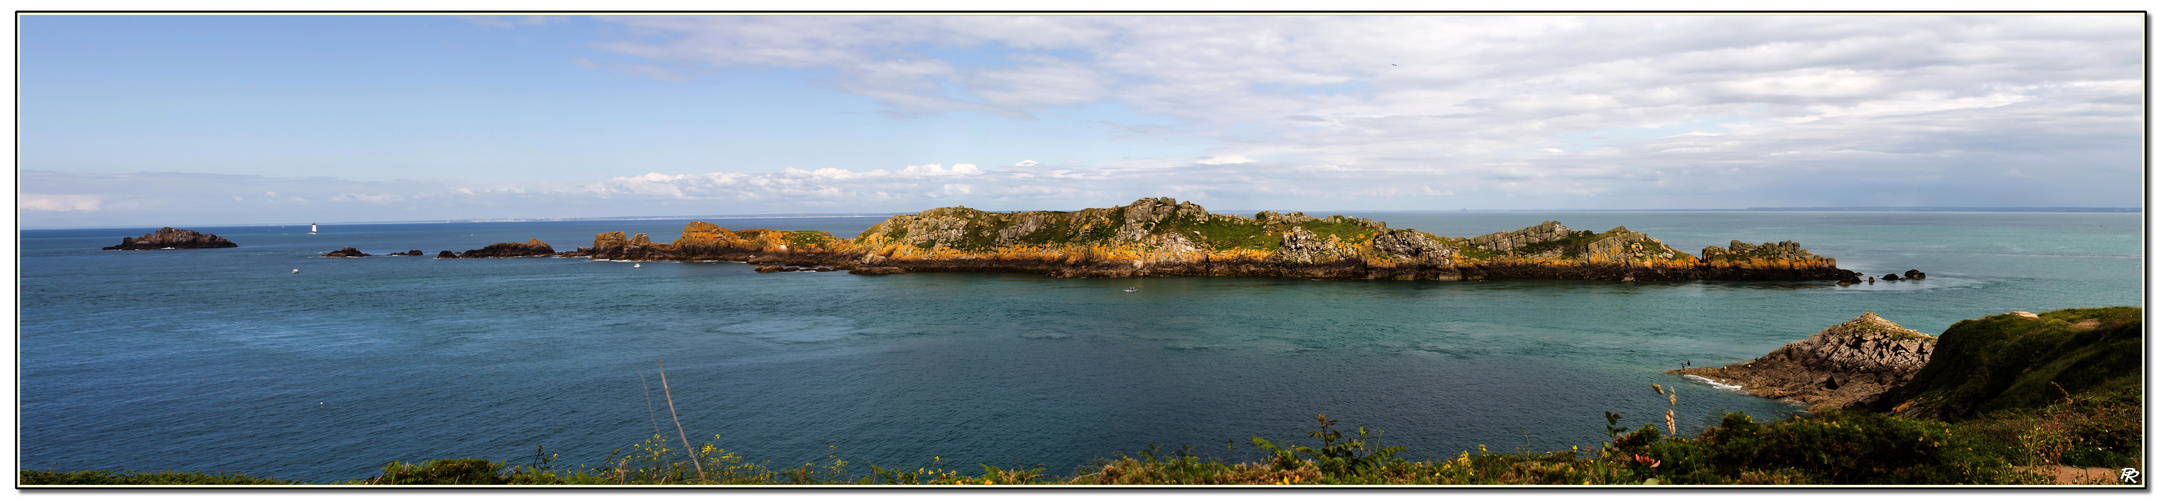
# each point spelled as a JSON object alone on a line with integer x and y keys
{"x": 889, "y": 214}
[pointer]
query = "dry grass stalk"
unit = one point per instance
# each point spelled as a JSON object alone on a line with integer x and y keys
{"x": 679, "y": 422}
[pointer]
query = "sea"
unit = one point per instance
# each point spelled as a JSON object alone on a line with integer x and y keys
{"x": 226, "y": 360}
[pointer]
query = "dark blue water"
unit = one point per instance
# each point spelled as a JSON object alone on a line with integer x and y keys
{"x": 223, "y": 360}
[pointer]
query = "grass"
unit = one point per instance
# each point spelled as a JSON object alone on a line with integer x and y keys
{"x": 1230, "y": 234}
{"x": 808, "y": 238}
{"x": 166, "y": 478}
{"x": 1825, "y": 448}
{"x": 2010, "y": 361}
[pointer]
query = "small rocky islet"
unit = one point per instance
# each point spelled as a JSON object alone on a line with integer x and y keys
{"x": 172, "y": 239}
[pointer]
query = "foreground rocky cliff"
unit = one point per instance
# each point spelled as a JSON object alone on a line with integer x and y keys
{"x": 2001, "y": 362}
{"x": 2025, "y": 360}
{"x": 1849, "y": 365}
{"x": 169, "y": 238}
{"x": 1161, "y": 236}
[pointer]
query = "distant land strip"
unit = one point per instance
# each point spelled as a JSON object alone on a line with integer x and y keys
{"x": 1944, "y": 209}
{"x": 1164, "y": 237}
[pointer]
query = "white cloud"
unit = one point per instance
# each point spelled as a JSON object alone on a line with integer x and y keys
{"x": 1025, "y": 163}
{"x": 59, "y": 202}
{"x": 1636, "y": 93}
{"x": 933, "y": 170}
{"x": 368, "y": 198}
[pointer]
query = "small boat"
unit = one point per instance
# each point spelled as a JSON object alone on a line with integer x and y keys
{"x": 1132, "y": 289}
{"x": 637, "y": 265}
{"x": 296, "y": 271}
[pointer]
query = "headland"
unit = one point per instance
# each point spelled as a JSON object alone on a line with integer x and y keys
{"x": 1164, "y": 237}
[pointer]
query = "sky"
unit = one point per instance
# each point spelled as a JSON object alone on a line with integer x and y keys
{"x": 261, "y": 119}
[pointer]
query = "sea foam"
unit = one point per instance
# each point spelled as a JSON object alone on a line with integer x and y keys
{"x": 1715, "y": 383}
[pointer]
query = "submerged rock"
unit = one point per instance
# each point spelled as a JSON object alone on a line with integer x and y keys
{"x": 169, "y": 238}
{"x": 1849, "y": 365}
{"x": 345, "y": 252}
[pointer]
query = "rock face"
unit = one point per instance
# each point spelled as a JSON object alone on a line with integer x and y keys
{"x": 1162, "y": 236}
{"x": 531, "y": 248}
{"x": 345, "y": 252}
{"x": 1850, "y": 365}
{"x": 172, "y": 238}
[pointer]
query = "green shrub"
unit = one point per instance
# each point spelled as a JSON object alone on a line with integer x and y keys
{"x": 99, "y": 477}
{"x": 442, "y": 471}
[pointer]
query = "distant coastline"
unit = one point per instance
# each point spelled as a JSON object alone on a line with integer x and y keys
{"x": 1782, "y": 209}
{"x": 890, "y": 214}
{"x": 1944, "y": 209}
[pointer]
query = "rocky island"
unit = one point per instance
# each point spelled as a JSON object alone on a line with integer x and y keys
{"x": 1163, "y": 237}
{"x": 531, "y": 248}
{"x": 169, "y": 238}
{"x": 346, "y": 252}
{"x": 1849, "y": 365}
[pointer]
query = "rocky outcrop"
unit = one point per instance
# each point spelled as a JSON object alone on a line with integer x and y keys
{"x": 407, "y": 253}
{"x": 1162, "y": 236}
{"x": 531, "y": 248}
{"x": 1744, "y": 261}
{"x": 345, "y": 252}
{"x": 172, "y": 239}
{"x": 1914, "y": 274}
{"x": 1850, "y": 365}
{"x": 446, "y": 254}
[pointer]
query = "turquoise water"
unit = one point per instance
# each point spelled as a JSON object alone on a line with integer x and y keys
{"x": 223, "y": 360}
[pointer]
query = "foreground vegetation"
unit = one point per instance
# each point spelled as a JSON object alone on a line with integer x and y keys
{"x": 2093, "y": 430}
{"x": 1979, "y": 413}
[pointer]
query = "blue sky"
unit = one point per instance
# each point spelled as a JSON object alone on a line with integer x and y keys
{"x": 172, "y": 120}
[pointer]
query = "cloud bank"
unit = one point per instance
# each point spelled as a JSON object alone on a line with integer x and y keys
{"x": 1710, "y": 110}
{"x": 1340, "y": 112}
